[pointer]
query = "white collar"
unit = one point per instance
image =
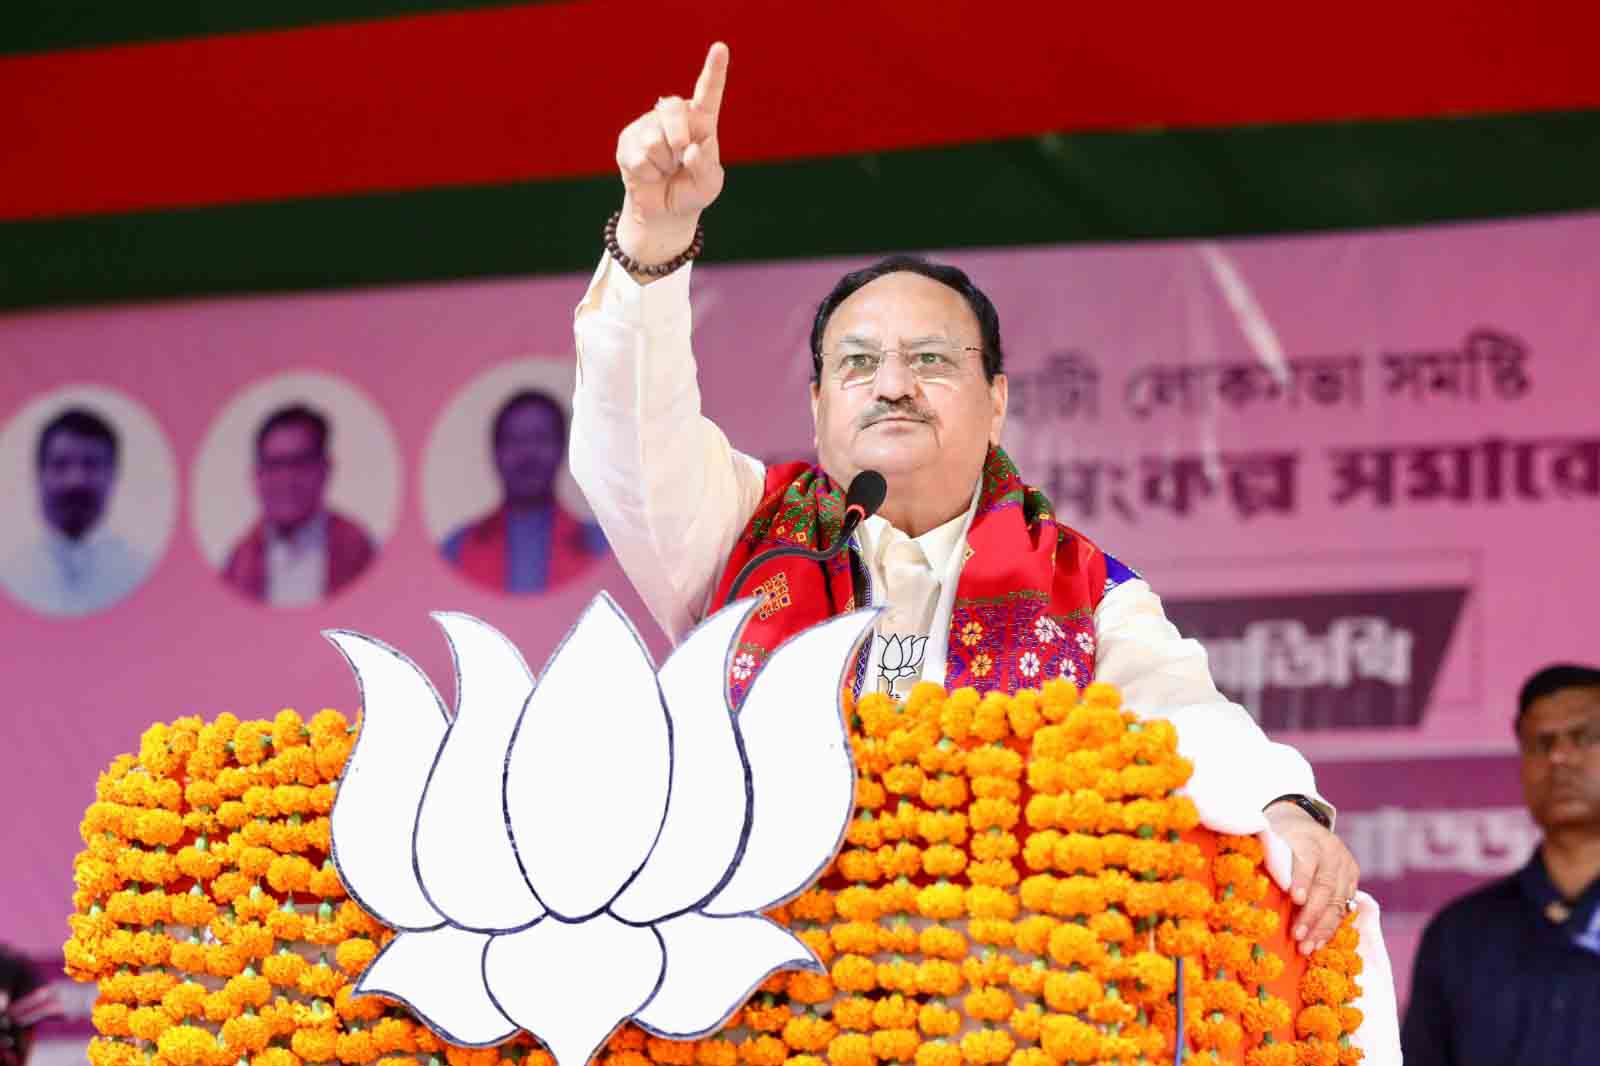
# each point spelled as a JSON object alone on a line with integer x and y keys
{"x": 938, "y": 543}
{"x": 312, "y": 534}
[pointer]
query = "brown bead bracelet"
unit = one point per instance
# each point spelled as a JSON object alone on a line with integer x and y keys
{"x": 659, "y": 270}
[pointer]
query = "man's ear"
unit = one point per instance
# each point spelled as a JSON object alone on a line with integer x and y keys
{"x": 816, "y": 396}
{"x": 999, "y": 393}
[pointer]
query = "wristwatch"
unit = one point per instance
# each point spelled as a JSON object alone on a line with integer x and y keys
{"x": 1310, "y": 806}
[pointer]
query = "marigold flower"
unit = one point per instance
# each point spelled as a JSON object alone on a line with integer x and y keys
{"x": 995, "y": 845}
{"x": 943, "y": 860}
{"x": 186, "y": 1000}
{"x": 899, "y": 860}
{"x": 290, "y": 873}
{"x": 853, "y": 1012}
{"x": 185, "y": 1045}
{"x": 320, "y": 980}
{"x": 763, "y": 1051}
{"x": 992, "y": 1004}
{"x": 855, "y": 973}
{"x": 941, "y": 901}
{"x": 103, "y": 1052}
{"x": 942, "y": 942}
{"x": 938, "y": 977}
{"x": 111, "y": 1019}
{"x": 770, "y": 1018}
{"x": 1261, "y": 1016}
{"x": 1067, "y": 1039}
{"x": 936, "y": 1020}
{"x": 904, "y": 780}
{"x": 315, "y": 1045}
{"x": 851, "y": 1049}
{"x": 357, "y": 1047}
{"x": 879, "y": 716}
{"x": 1318, "y": 1053}
{"x": 858, "y": 865}
{"x": 817, "y": 905}
{"x": 1323, "y": 985}
{"x": 668, "y": 1052}
{"x": 895, "y": 1045}
{"x": 354, "y": 954}
{"x": 947, "y": 790}
{"x": 245, "y": 1033}
{"x": 1319, "y": 1021}
{"x": 714, "y": 1052}
{"x": 331, "y": 756}
{"x": 864, "y": 830}
{"x": 1157, "y": 974}
{"x": 149, "y": 1023}
{"x": 938, "y": 1053}
{"x": 1084, "y": 810}
{"x": 897, "y": 898}
{"x": 805, "y": 1032}
{"x": 1041, "y": 811}
{"x": 1272, "y": 1055}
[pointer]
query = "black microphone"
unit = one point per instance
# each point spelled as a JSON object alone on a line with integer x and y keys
{"x": 861, "y": 501}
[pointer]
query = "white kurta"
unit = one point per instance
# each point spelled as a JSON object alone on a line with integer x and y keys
{"x": 673, "y": 495}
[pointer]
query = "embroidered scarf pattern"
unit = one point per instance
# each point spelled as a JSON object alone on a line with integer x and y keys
{"x": 1024, "y": 605}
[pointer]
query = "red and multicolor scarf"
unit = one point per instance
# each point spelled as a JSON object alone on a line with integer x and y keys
{"x": 1024, "y": 606}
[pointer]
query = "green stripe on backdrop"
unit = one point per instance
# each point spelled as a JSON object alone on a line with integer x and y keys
{"x": 1056, "y": 189}
{"x": 48, "y": 25}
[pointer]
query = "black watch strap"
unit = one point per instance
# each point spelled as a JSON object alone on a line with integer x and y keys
{"x": 1308, "y": 805}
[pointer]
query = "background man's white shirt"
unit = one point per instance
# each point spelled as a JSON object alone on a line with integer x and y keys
{"x": 297, "y": 564}
{"x": 60, "y": 575}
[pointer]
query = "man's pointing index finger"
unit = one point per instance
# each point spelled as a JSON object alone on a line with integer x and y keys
{"x": 708, "y": 89}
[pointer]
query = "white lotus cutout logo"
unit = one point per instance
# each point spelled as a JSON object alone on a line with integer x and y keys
{"x": 566, "y": 855}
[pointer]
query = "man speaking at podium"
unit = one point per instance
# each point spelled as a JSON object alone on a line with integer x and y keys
{"x": 982, "y": 585}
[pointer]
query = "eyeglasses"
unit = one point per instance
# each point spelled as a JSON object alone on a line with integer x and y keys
{"x": 930, "y": 364}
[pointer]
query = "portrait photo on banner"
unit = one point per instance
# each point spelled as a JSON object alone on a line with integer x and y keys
{"x": 295, "y": 489}
{"x": 94, "y": 489}
{"x": 498, "y": 501}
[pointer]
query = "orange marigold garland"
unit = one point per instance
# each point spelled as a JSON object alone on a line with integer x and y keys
{"x": 1015, "y": 887}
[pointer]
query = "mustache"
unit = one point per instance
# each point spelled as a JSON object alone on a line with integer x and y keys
{"x": 903, "y": 409}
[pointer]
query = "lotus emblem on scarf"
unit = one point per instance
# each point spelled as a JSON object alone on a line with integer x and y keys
{"x": 567, "y": 854}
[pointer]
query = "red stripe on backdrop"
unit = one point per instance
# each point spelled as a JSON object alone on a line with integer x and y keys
{"x": 536, "y": 92}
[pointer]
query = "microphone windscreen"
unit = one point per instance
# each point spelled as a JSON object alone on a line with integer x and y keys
{"x": 867, "y": 492}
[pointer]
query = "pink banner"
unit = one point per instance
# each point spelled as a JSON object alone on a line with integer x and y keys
{"x": 1364, "y": 469}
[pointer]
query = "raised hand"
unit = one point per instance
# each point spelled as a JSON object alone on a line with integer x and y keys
{"x": 670, "y": 166}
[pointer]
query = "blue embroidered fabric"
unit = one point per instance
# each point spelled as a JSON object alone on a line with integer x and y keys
{"x": 1118, "y": 572}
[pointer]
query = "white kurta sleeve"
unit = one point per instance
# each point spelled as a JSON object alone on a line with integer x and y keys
{"x": 670, "y": 492}
{"x": 1238, "y": 771}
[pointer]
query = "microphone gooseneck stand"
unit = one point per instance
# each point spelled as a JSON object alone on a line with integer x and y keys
{"x": 863, "y": 499}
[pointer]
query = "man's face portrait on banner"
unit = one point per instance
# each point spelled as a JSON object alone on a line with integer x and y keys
{"x": 530, "y": 443}
{"x": 77, "y": 466}
{"x": 528, "y": 541}
{"x": 291, "y": 470}
{"x": 300, "y": 550}
{"x": 95, "y": 482}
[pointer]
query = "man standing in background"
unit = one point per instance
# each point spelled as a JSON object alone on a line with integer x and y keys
{"x": 1510, "y": 974}
{"x": 79, "y": 567}
{"x": 299, "y": 552}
